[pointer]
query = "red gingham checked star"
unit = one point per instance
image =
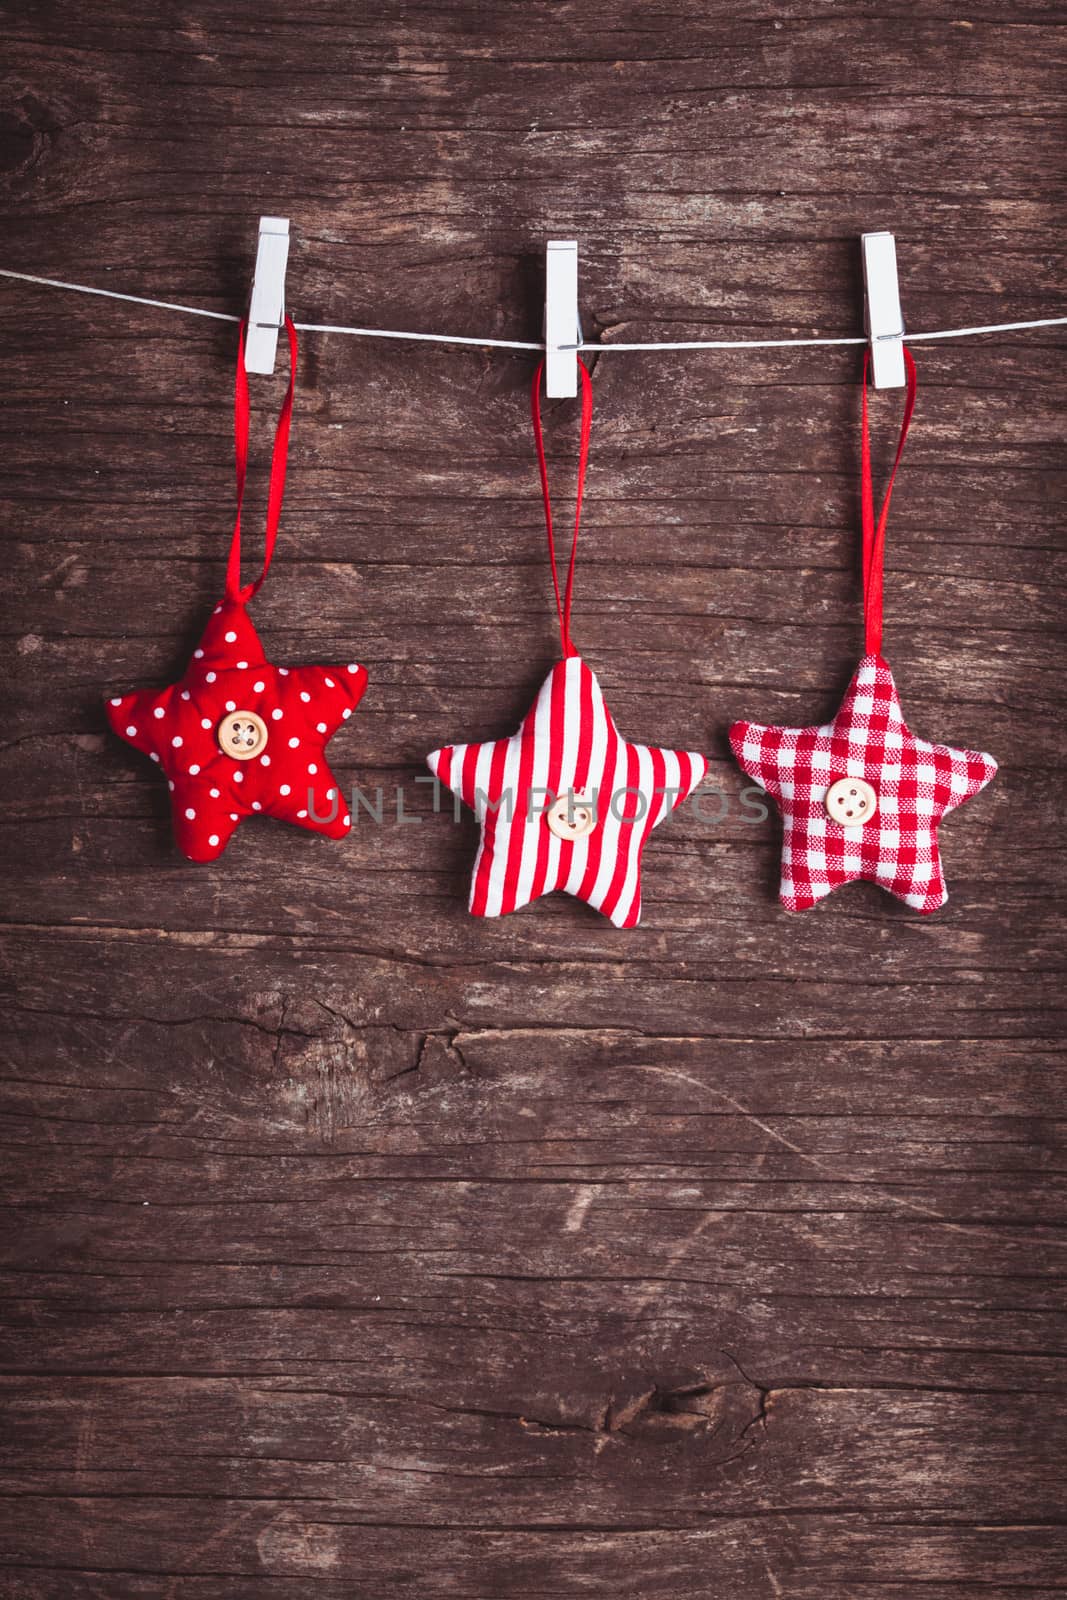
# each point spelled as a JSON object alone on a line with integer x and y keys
{"x": 914, "y": 785}
{"x": 279, "y": 769}
{"x": 568, "y": 750}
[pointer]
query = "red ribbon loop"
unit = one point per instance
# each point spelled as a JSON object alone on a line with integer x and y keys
{"x": 874, "y": 537}
{"x": 563, "y": 601}
{"x": 279, "y": 455}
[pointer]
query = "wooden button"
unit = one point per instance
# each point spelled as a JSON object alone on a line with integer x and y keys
{"x": 572, "y": 817}
{"x": 851, "y": 802}
{"x": 242, "y": 735}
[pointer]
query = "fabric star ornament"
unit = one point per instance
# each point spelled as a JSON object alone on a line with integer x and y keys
{"x": 861, "y": 796}
{"x": 237, "y": 736}
{"x": 566, "y": 802}
{"x": 915, "y": 785}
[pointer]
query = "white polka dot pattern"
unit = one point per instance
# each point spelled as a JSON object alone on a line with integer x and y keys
{"x": 301, "y": 706}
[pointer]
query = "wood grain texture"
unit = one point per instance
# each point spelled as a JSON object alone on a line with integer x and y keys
{"x": 353, "y": 1248}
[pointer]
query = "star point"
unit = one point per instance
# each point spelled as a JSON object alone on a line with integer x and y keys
{"x": 611, "y": 795}
{"x": 915, "y": 785}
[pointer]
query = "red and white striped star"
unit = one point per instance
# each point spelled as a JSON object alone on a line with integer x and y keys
{"x": 567, "y": 746}
{"x": 915, "y": 785}
{"x": 294, "y": 712}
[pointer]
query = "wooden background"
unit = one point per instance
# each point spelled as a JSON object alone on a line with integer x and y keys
{"x": 355, "y": 1248}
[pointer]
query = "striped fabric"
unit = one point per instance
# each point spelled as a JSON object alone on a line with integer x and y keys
{"x": 567, "y": 744}
{"x": 917, "y": 784}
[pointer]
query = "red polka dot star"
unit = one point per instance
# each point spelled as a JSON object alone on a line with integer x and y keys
{"x": 236, "y": 736}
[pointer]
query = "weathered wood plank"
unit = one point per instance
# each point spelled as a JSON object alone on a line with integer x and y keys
{"x": 244, "y": 1549}
{"x": 674, "y": 1457}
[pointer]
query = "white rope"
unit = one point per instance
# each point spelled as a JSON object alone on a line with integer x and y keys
{"x": 427, "y": 338}
{"x": 992, "y": 327}
{"x": 781, "y": 344}
{"x": 522, "y": 344}
{"x": 720, "y": 344}
{"x": 112, "y": 294}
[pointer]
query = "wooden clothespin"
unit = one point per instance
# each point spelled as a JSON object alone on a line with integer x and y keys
{"x": 266, "y": 308}
{"x": 883, "y": 317}
{"x": 563, "y": 330}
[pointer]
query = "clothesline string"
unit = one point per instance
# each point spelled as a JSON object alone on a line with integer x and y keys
{"x": 523, "y": 344}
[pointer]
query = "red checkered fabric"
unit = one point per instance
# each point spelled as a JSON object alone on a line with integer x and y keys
{"x": 916, "y": 783}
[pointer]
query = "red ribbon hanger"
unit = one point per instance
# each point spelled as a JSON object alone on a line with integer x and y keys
{"x": 279, "y": 455}
{"x": 874, "y": 536}
{"x": 563, "y": 601}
